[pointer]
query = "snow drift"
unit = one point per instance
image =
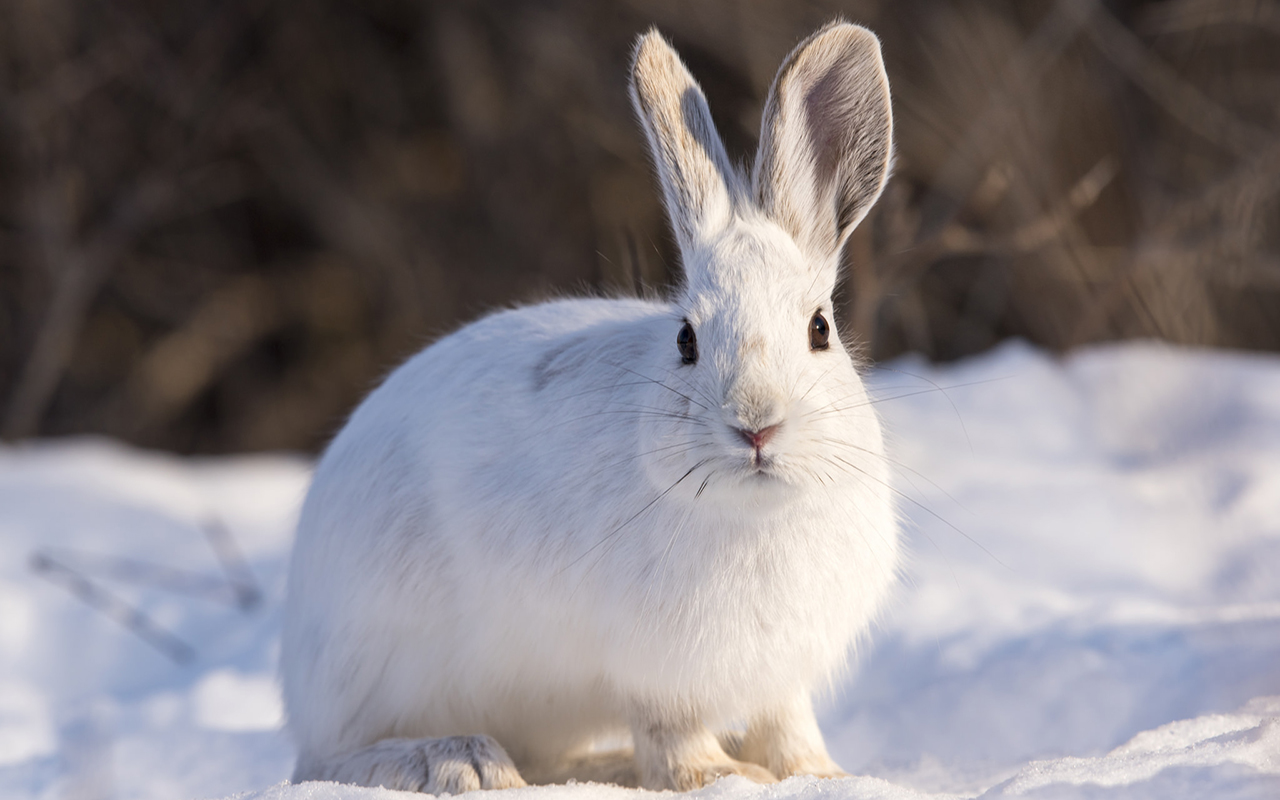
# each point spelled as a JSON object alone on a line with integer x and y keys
{"x": 1092, "y": 610}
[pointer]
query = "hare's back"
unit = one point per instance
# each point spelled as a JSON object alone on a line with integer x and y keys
{"x": 525, "y": 379}
{"x": 508, "y": 361}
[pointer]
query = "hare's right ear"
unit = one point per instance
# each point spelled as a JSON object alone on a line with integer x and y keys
{"x": 690, "y": 158}
{"x": 826, "y": 139}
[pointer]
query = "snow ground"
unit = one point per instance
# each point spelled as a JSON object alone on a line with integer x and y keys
{"x": 1093, "y": 607}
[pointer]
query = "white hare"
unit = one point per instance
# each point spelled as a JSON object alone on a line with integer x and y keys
{"x": 575, "y": 520}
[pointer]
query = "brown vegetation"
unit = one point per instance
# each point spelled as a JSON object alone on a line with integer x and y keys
{"x": 222, "y": 220}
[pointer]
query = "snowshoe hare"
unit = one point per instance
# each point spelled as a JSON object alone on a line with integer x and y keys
{"x": 575, "y": 520}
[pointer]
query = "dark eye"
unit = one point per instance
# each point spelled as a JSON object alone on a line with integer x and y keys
{"x": 819, "y": 332}
{"x": 688, "y": 344}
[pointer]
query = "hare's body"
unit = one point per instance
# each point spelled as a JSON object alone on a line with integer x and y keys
{"x": 446, "y": 596}
{"x": 559, "y": 523}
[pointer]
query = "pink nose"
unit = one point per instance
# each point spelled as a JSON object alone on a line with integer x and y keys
{"x": 758, "y": 439}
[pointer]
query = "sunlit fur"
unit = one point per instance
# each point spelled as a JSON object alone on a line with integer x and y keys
{"x": 546, "y": 527}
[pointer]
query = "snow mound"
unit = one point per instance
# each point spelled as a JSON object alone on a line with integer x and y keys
{"x": 1092, "y": 607}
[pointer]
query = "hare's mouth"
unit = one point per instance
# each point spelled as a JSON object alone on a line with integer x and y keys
{"x": 761, "y": 465}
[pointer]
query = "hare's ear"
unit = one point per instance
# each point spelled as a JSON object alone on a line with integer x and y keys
{"x": 826, "y": 140}
{"x": 690, "y": 158}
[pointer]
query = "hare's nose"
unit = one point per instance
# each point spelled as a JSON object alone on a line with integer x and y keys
{"x": 757, "y": 439}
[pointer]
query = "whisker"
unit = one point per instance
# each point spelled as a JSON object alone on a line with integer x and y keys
{"x": 899, "y": 465}
{"x": 922, "y": 507}
{"x": 831, "y": 408}
{"x": 705, "y": 481}
{"x": 877, "y": 400}
{"x": 815, "y": 384}
{"x": 687, "y": 447}
{"x": 636, "y": 515}
{"x": 629, "y": 412}
{"x": 654, "y": 409}
{"x": 666, "y": 552}
{"x": 660, "y": 383}
{"x": 945, "y": 559}
{"x": 692, "y": 386}
{"x": 942, "y": 389}
{"x": 867, "y": 525}
{"x": 606, "y": 388}
{"x": 837, "y": 401}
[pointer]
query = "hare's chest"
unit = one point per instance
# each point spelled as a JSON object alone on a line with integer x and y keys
{"x": 771, "y": 607}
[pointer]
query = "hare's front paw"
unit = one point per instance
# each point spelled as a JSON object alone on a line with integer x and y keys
{"x": 694, "y": 776}
{"x": 458, "y": 764}
{"x": 450, "y": 765}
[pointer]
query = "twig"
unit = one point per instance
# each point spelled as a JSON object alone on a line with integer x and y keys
{"x": 957, "y": 240}
{"x": 1180, "y": 99}
{"x": 99, "y": 599}
{"x": 81, "y": 269}
{"x": 169, "y": 376}
{"x": 1259, "y": 175}
{"x": 1183, "y": 17}
{"x": 234, "y": 565}
{"x": 1023, "y": 71}
{"x": 136, "y": 572}
{"x": 81, "y": 272}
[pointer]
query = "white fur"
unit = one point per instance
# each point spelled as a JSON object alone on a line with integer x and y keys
{"x": 545, "y": 528}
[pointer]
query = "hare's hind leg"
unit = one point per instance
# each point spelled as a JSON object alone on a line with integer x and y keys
{"x": 450, "y": 765}
{"x": 683, "y": 754}
{"x": 617, "y": 767}
{"x": 787, "y": 741}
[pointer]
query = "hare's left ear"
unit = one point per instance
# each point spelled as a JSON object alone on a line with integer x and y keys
{"x": 696, "y": 177}
{"x": 826, "y": 140}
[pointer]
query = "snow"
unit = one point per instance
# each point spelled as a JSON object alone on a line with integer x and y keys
{"x": 1092, "y": 606}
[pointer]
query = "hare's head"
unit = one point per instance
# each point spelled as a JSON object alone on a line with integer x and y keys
{"x": 773, "y": 393}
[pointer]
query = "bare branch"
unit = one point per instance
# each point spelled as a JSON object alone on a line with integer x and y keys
{"x": 1176, "y": 96}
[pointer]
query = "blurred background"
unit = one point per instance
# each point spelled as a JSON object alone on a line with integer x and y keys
{"x": 221, "y": 221}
